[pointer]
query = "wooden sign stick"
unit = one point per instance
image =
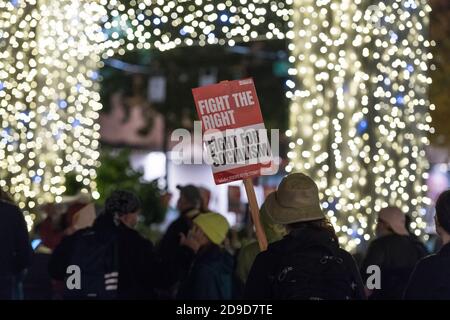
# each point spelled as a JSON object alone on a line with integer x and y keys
{"x": 254, "y": 210}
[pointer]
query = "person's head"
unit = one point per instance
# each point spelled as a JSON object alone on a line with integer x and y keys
{"x": 190, "y": 198}
{"x": 296, "y": 200}
{"x": 213, "y": 228}
{"x": 125, "y": 206}
{"x": 442, "y": 216}
{"x": 391, "y": 220}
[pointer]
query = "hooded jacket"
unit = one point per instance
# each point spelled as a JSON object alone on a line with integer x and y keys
{"x": 141, "y": 272}
{"x": 15, "y": 248}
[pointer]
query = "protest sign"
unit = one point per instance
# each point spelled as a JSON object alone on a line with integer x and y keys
{"x": 235, "y": 136}
{"x": 233, "y": 130}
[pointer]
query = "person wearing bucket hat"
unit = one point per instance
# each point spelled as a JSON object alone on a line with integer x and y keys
{"x": 395, "y": 252}
{"x": 307, "y": 263}
{"x": 214, "y": 226}
{"x": 296, "y": 200}
{"x": 210, "y": 277}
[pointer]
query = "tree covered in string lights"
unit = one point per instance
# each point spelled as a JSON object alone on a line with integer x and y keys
{"x": 49, "y": 101}
{"x": 358, "y": 90}
{"x": 359, "y": 113}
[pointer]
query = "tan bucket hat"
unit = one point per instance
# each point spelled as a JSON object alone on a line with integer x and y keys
{"x": 296, "y": 200}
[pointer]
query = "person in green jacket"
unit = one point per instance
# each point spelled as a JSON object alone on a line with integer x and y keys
{"x": 248, "y": 253}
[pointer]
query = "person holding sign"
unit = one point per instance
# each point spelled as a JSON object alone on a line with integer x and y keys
{"x": 235, "y": 137}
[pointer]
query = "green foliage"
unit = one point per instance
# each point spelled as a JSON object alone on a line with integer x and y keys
{"x": 115, "y": 172}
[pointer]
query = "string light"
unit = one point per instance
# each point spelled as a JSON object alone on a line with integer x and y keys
{"x": 48, "y": 74}
{"x": 165, "y": 25}
{"x": 49, "y": 57}
{"x": 359, "y": 112}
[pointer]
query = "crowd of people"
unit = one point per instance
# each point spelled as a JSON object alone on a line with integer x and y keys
{"x": 109, "y": 259}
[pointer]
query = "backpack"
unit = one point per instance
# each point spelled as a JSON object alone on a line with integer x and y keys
{"x": 316, "y": 272}
{"x": 98, "y": 263}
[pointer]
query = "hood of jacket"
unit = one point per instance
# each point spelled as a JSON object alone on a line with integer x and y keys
{"x": 305, "y": 237}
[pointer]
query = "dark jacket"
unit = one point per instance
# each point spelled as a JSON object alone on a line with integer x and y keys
{"x": 15, "y": 248}
{"x": 396, "y": 256}
{"x": 264, "y": 269}
{"x": 210, "y": 277}
{"x": 172, "y": 253}
{"x": 430, "y": 279}
{"x": 37, "y": 284}
{"x": 140, "y": 270}
{"x": 170, "y": 242}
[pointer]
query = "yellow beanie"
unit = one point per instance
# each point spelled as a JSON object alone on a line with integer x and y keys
{"x": 214, "y": 225}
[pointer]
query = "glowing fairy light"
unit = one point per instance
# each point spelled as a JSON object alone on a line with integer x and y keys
{"x": 186, "y": 23}
{"x": 359, "y": 114}
{"x": 49, "y": 101}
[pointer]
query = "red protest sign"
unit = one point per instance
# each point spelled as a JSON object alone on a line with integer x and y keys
{"x": 233, "y": 129}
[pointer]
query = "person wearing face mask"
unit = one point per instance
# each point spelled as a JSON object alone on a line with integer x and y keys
{"x": 395, "y": 252}
{"x": 114, "y": 261}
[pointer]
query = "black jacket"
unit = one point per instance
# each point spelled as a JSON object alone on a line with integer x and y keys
{"x": 140, "y": 270}
{"x": 210, "y": 277}
{"x": 430, "y": 279}
{"x": 170, "y": 242}
{"x": 15, "y": 248}
{"x": 259, "y": 283}
{"x": 172, "y": 253}
{"x": 37, "y": 284}
{"x": 396, "y": 256}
